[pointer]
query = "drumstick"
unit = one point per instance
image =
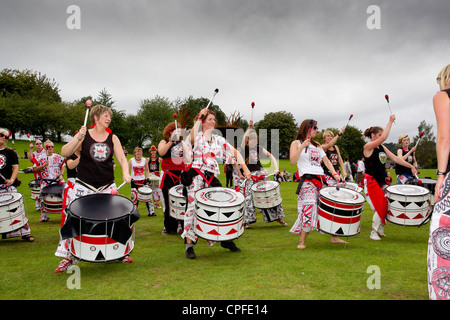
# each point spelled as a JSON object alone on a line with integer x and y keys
{"x": 210, "y": 101}
{"x": 351, "y": 116}
{"x": 28, "y": 136}
{"x": 88, "y": 105}
{"x": 387, "y": 99}
{"x": 121, "y": 185}
{"x": 253, "y": 106}
{"x": 420, "y": 136}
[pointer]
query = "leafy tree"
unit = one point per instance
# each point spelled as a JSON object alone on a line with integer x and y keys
{"x": 287, "y": 128}
{"x": 426, "y": 149}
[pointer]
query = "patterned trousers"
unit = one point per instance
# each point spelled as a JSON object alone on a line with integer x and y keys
{"x": 306, "y": 208}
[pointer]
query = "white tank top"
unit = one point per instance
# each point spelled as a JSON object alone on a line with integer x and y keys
{"x": 137, "y": 169}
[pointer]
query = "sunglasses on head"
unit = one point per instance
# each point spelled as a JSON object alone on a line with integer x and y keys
{"x": 4, "y": 136}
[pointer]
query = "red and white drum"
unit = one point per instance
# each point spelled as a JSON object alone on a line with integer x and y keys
{"x": 219, "y": 213}
{"x": 177, "y": 202}
{"x": 35, "y": 188}
{"x": 101, "y": 227}
{"x": 144, "y": 194}
{"x": 408, "y": 205}
{"x": 12, "y": 212}
{"x": 429, "y": 184}
{"x": 352, "y": 186}
{"x": 339, "y": 211}
{"x": 52, "y": 196}
{"x": 266, "y": 194}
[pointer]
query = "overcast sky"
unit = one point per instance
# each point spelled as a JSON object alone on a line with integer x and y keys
{"x": 315, "y": 59}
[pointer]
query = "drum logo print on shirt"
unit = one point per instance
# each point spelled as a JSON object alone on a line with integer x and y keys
{"x": 383, "y": 157}
{"x": 100, "y": 152}
{"x": 2, "y": 161}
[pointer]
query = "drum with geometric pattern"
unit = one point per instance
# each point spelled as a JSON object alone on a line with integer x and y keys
{"x": 266, "y": 194}
{"x": 219, "y": 214}
{"x": 177, "y": 202}
{"x": 339, "y": 211}
{"x": 408, "y": 205}
{"x": 35, "y": 187}
{"x": 12, "y": 212}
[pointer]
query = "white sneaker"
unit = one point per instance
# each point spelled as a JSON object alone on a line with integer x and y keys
{"x": 374, "y": 235}
{"x": 380, "y": 231}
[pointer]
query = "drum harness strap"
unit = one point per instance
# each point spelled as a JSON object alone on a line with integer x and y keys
{"x": 310, "y": 177}
{"x": 98, "y": 190}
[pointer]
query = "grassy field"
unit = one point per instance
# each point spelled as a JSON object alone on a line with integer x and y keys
{"x": 270, "y": 267}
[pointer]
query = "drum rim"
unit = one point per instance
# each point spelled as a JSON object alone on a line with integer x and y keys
{"x": 238, "y": 196}
{"x": 265, "y": 181}
{"x": 99, "y": 194}
{"x": 175, "y": 194}
{"x": 12, "y": 192}
{"x": 407, "y": 185}
{"x": 340, "y": 201}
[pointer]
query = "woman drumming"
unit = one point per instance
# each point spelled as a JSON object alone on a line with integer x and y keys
{"x": 252, "y": 151}
{"x": 152, "y": 165}
{"x": 375, "y": 156}
{"x": 96, "y": 167}
{"x": 308, "y": 155}
{"x": 206, "y": 147}
{"x": 175, "y": 155}
{"x": 138, "y": 171}
{"x": 333, "y": 154}
{"x": 403, "y": 173}
{"x": 438, "y": 250}
{"x": 9, "y": 168}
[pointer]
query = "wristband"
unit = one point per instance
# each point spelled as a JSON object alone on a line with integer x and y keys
{"x": 440, "y": 173}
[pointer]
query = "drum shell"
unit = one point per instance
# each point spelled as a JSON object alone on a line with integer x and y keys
{"x": 35, "y": 188}
{"x": 97, "y": 235}
{"x": 144, "y": 194}
{"x": 340, "y": 217}
{"x": 177, "y": 202}
{"x": 12, "y": 212}
{"x": 219, "y": 221}
{"x": 52, "y": 198}
{"x": 266, "y": 194}
{"x": 407, "y": 209}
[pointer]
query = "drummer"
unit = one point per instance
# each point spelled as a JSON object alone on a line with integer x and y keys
{"x": 409, "y": 155}
{"x": 334, "y": 155}
{"x": 375, "y": 156}
{"x": 308, "y": 155}
{"x": 96, "y": 167}
{"x": 251, "y": 153}
{"x": 51, "y": 169}
{"x": 152, "y": 165}
{"x": 206, "y": 147}
{"x": 175, "y": 156}
{"x": 34, "y": 158}
{"x": 138, "y": 176}
{"x": 9, "y": 168}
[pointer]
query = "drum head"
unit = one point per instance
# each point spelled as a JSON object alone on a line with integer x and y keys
{"x": 101, "y": 207}
{"x": 265, "y": 185}
{"x": 219, "y": 197}
{"x": 176, "y": 191}
{"x": 53, "y": 189}
{"x": 145, "y": 190}
{"x": 343, "y": 195}
{"x": 35, "y": 183}
{"x": 7, "y": 198}
{"x": 407, "y": 189}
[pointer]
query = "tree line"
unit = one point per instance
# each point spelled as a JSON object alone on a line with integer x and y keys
{"x": 31, "y": 104}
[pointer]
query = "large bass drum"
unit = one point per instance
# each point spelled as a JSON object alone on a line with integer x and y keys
{"x": 101, "y": 227}
{"x": 340, "y": 211}
{"x": 12, "y": 212}
{"x": 219, "y": 213}
{"x": 408, "y": 205}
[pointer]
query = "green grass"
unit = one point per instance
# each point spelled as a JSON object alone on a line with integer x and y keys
{"x": 270, "y": 267}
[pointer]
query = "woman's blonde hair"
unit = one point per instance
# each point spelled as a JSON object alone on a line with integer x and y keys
{"x": 401, "y": 137}
{"x": 444, "y": 76}
{"x": 98, "y": 110}
{"x": 327, "y": 132}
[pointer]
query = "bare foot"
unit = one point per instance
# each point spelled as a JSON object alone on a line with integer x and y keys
{"x": 301, "y": 246}
{"x": 337, "y": 240}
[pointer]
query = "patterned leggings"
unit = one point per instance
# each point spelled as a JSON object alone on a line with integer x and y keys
{"x": 307, "y": 209}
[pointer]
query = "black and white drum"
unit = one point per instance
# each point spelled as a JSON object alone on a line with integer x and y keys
{"x": 52, "y": 196}
{"x": 266, "y": 194}
{"x": 408, "y": 205}
{"x": 12, "y": 212}
{"x": 429, "y": 184}
{"x": 101, "y": 227}
{"x": 144, "y": 194}
{"x": 35, "y": 188}
{"x": 177, "y": 202}
{"x": 339, "y": 211}
{"x": 352, "y": 186}
{"x": 154, "y": 180}
{"x": 219, "y": 213}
